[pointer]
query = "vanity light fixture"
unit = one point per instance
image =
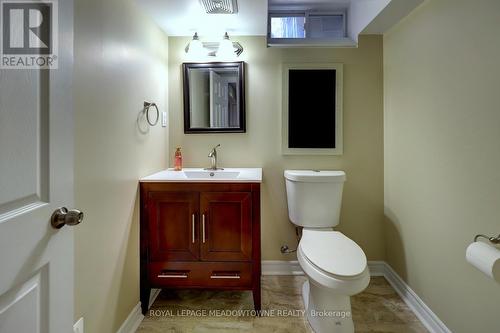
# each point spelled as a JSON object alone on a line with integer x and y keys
{"x": 195, "y": 47}
{"x": 224, "y": 49}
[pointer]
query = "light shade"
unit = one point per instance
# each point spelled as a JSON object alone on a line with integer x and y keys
{"x": 226, "y": 48}
{"x": 195, "y": 48}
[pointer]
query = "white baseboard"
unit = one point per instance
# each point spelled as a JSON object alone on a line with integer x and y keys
{"x": 134, "y": 319}
{"x": 78, "y": 326}
{"x": 377, "y": 268}
{"x": 154, "y": 294}
{"x": 430, "y": 320}
{"x": 281, "y": 267}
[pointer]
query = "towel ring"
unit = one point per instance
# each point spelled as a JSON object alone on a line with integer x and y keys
{"x": 147, "y": 106}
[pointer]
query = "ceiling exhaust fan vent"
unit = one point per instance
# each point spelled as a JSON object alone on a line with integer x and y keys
{"x": 220, "y": 6}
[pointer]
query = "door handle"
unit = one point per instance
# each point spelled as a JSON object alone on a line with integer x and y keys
{"x": 203, "y": 227}
{"x": 63, "y": 216}
{"x": 192, "y": 228}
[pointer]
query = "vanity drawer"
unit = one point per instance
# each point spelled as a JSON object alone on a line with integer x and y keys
{"x": 200, "y": 274}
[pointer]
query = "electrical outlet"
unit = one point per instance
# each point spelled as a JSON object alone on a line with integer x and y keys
{"x": 164, "y": 119}
{"x": 78, "y": 327}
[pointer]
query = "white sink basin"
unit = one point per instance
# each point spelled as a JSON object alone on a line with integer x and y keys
{"x": 199, "y": 175}
{"x": 213, "y": 174}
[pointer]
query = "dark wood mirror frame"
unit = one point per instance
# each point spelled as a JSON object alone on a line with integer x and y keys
{"x": 240, "y": 65}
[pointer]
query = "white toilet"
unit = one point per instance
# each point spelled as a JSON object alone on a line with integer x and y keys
{"x": 335, "y": 265}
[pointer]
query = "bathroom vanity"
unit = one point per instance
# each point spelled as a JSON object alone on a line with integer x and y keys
{"x": 200, "y": 229}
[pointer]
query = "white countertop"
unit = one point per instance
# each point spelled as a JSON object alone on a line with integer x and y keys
{"x": 200, "y": 175}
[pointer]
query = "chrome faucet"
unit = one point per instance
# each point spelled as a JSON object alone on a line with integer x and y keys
{"x": 213, "y": 159}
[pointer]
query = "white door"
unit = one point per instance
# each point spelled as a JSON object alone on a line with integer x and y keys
{"x": 36, "y": 177}
{"x": 219, "y": 116}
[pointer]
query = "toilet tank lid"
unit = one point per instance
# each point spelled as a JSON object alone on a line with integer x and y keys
{"x": 315, "y": 176}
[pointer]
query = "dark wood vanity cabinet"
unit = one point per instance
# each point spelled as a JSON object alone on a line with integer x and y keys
{"x": 200, "y": 235}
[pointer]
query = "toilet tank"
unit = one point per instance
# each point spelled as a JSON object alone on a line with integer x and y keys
{"x": 314, "y": 197}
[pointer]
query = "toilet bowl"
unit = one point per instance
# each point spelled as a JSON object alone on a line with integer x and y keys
{"x": 336, "y": 267}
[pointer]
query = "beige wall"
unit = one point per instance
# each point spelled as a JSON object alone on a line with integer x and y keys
{"x": 442, "y": 155}
{"x": 120, "y": 61}
{"x": 362, "y": 212}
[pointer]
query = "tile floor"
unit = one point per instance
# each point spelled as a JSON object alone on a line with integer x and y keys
{"x": 377, "y": 309}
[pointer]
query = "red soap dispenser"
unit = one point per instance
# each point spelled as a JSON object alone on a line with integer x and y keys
{"x": 178, "y": 160}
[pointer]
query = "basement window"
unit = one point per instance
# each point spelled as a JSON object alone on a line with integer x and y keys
{"x": 288, "y": 26}
{"x": 326, "y": 26}
{"x": 306, "y": 27}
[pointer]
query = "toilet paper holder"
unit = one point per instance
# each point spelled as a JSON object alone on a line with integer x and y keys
{"x": 493, "y": 240}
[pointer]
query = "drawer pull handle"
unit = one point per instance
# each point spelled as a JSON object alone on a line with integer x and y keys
{"x": 203, "y": 227}
{"x": 192, "y": 228}
{"x": 225, "y": 276}
{"x": 173, "y": 276}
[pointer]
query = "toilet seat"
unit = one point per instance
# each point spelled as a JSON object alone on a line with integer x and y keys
{"x": 333, "y": 253}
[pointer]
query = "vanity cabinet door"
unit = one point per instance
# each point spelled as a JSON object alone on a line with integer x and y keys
{"x": 226, "y": 226}
{"x": 173, "y": 226}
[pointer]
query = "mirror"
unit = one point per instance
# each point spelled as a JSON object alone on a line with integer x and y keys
{"x": 214, "y": 97}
